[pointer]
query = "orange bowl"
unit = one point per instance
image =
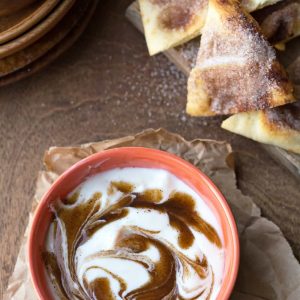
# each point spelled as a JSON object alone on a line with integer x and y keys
{"x": 133, "y": 157}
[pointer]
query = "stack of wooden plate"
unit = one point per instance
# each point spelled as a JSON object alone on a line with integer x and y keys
{"x": 34, "y": 32}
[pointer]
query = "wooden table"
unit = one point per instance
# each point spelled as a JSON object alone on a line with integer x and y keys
{"x": 107, "y": 86}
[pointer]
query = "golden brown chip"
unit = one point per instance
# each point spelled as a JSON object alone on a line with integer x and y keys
{"x": 278, "y": 126}
{"x": 168, "y": 23}
{"x": 280, "y": 22}
{"x": 237, "y": 69}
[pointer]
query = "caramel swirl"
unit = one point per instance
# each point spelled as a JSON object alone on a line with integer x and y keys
{"x": 132, "y": 245}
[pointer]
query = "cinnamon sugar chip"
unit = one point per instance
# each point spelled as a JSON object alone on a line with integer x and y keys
{"x": 236, "y": 69}
{"x": 280, "y": 22}
{"x": 169, "y": 23}
{"x": 177, "y": 14}
{"x": 285, "y": 117}
{"x": 278, "y": 126}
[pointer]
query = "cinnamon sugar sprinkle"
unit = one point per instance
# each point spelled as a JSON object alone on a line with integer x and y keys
{"x": 178, "y": 14}
{"x": 238, "y": 66}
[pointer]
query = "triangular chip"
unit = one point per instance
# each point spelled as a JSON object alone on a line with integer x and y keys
{"x": 237, "y": 69}
{"x": 280, "y": 22}
{"x": 278, "y": 126}
{"x": 168, "y": 23}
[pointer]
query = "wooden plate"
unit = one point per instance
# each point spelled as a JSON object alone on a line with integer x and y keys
{"x": 37, "y": 64}
{"x": 19, "y": 22}
{"x": 37, "y": 32}
{"x": 25, "y": 56}
{"x": 8, "y": 7}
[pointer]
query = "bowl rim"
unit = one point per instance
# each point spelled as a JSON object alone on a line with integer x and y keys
{"x": 92, "y": 160}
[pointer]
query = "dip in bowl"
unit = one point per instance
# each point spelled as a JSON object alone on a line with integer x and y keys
{"x": 133, "y": 223}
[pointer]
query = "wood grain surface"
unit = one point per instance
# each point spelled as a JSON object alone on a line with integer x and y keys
{"x": 107, "y": 86}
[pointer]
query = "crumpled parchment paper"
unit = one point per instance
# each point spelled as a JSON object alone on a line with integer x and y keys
{"x": 268, "y": 268}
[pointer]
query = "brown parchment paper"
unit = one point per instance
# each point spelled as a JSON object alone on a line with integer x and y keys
{"x": 268, "y": 268}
